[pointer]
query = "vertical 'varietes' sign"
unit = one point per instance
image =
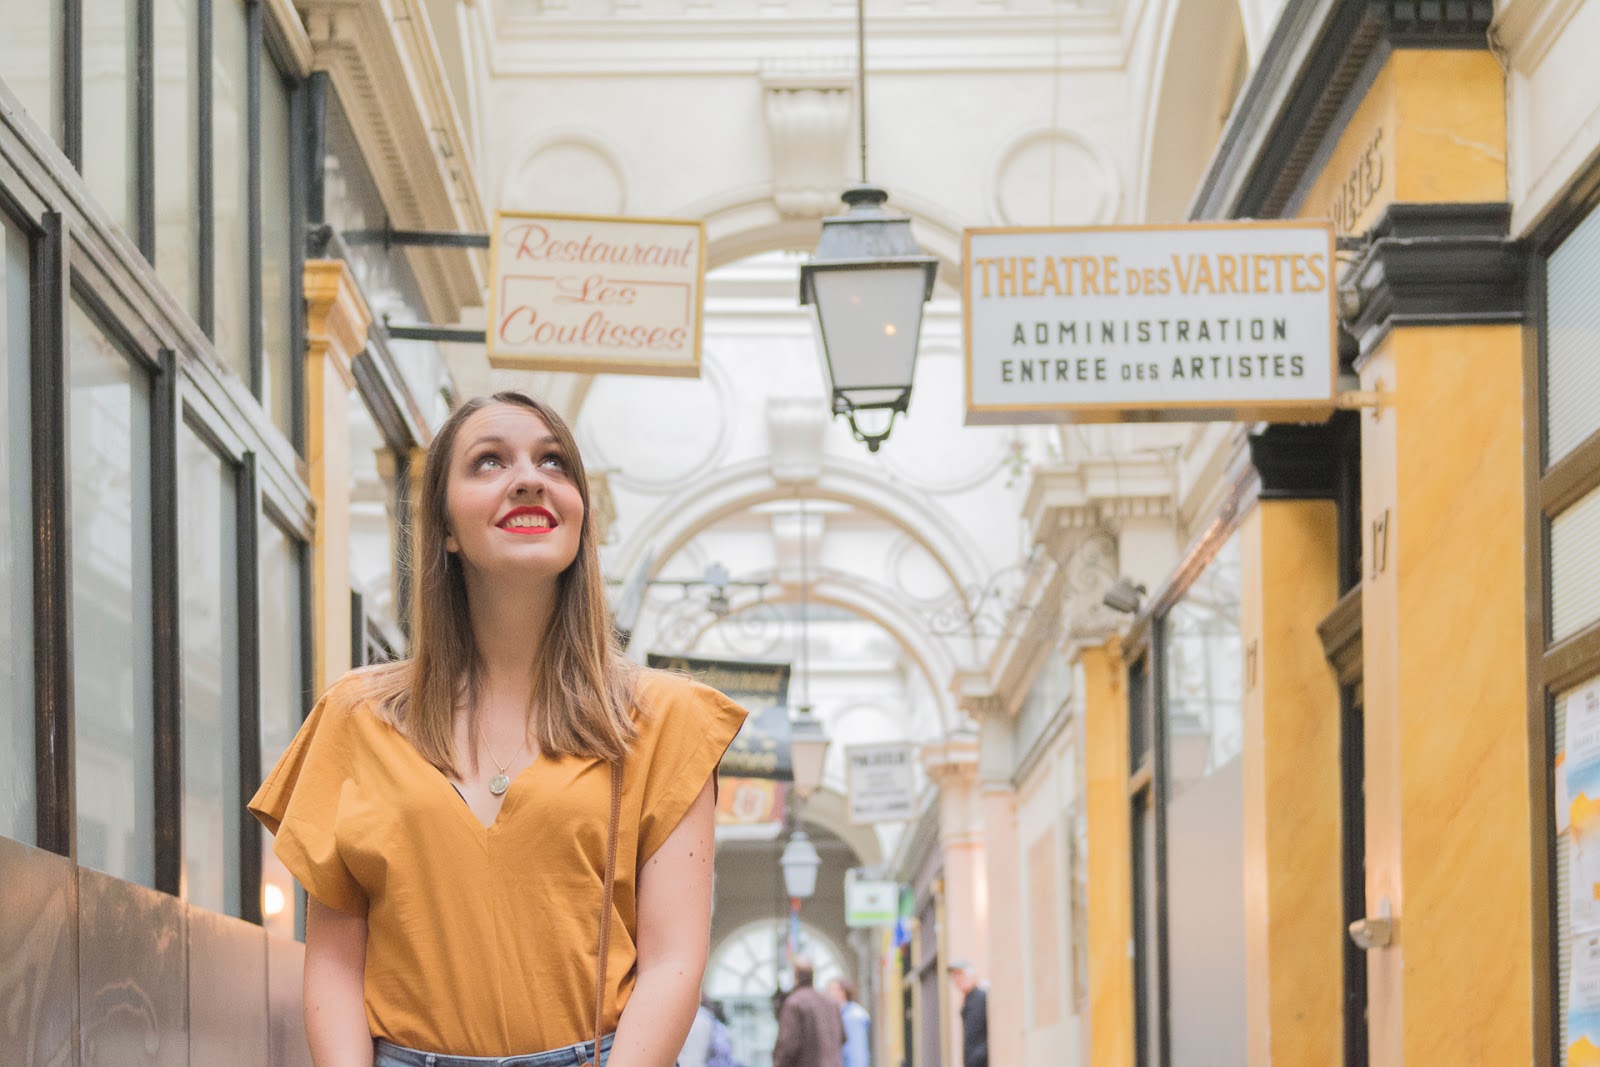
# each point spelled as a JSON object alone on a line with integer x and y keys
{"x": 596, "y": 295}
{"x": 1205, "y": 321}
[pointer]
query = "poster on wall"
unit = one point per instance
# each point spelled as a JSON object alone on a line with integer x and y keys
{"x": 1234, "y": 321}
{"x": 761, "y": 748}
{"x": 596, "y": 294}
{"x": 1581, "y": 766}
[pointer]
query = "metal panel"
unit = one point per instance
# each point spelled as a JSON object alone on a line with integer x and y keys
{"x": 38, "y": 956}
{"x": 227, "y": 990}
{"x": 132, "y": 980}
{"x": 286, "y": 962}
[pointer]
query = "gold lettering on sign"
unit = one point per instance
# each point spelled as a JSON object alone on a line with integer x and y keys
{"x": 1360, "y": 187}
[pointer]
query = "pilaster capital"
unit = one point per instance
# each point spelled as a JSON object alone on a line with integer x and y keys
{"x": 953, "y": 762}
{"x": 337, "y": 317}
{"x": 975, "y": 695}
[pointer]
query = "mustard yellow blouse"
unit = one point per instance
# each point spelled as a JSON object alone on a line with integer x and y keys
{"x": 482, "y": 941}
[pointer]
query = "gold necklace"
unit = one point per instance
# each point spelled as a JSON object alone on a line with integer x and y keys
{"x": 500, "y": 782}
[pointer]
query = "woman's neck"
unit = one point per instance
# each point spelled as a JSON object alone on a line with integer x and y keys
{"x": 509, "y": 623}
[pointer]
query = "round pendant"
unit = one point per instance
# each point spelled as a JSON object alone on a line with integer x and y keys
{"x": 499, "y": 784}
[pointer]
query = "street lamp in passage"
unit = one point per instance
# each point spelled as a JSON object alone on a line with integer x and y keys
{"x": 867, "y": 282}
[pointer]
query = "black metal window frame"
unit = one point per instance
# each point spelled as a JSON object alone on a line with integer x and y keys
{"x": 1553, "y": 666}
{"x": 264, "y": 40}
{"x": 1144, "y": 650}
{"x": 75, "y": 257}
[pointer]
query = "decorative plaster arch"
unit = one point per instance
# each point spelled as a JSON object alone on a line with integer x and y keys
{"x": 701, "y": 504}
{"x": 1183, "y": 81}
{"x": 745, "y": 222}
{"x": 879, "y": 605}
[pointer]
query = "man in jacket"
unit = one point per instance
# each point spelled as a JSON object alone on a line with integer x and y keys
{"x": 810, "y": 1030}
{"x": 974, "y": 1014}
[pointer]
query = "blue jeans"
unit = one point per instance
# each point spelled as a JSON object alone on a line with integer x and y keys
{"x": 391, "y": 1055}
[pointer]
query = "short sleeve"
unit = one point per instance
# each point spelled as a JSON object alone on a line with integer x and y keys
{"x": 694, "y": 727}
{"x": 299, "y": 803}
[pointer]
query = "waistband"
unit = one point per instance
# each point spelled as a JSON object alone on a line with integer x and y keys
{"x": 391, "y": 1055}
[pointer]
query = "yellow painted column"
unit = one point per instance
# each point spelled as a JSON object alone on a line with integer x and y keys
{"x": 1110, "y": 898}
{"x": 336, "y": 331}
{"x": 1294, "y": 942}
{"x": 1447, "y": 756}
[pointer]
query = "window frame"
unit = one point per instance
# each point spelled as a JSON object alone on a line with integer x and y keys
{"x": 1553, "y": 666}
{"x": 76, "y": 256}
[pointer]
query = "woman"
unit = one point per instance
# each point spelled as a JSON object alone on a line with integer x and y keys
{"x": 506, "y": 840}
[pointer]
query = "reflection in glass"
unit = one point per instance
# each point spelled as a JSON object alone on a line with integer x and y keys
{"x": 30, "y": 57}
{"x": 372, "y": 526}
{"x": 17, "y": 804}
{"x": 208, "y": 568}
{"x": 1204, "y": 668}
{"x": 108, "y": 412}
{"x": 283, "y": 694}
{"x": 278, "y": 288}
{"x": 177, "y": 132}
{"x": 230, "y": 102}
{"x": 110, "y": 107}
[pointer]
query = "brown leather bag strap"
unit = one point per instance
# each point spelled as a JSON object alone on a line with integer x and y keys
{"x": 606, "y": 902}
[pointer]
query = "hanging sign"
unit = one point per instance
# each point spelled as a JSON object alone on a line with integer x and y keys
{"x": 882, "y": 782}
{"x": 1233, "y": 321}
{"x": 596, "y": 295}
{"x": 761, "y": 747}
{"x": 870, "y": 903}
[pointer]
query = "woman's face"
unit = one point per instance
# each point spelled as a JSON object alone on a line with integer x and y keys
{"x": 511, "y": 500}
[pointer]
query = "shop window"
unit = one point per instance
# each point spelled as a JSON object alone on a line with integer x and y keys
{"x": 373, "y": 474}
{"x": 30, "y": 61}
{"x": 108, "y": 412}
{"x": 177, "y": 149}
{"x": 280, "y": 283}
{"x": 208, "y": 566}
{"x": 230, "y": 132}
{"x": 18, "y": 805}
{"x": 1204, "y": 685}
{"x": 1565, "y": 661}
{"x": 111, "y": 108}
{"x": 1575, "y": 566}
{"x": 1572, "y": 338}
{"x": 283, "y": 696}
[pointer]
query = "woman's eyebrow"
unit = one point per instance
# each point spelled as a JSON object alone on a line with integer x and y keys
{"x": 496, "y": 439}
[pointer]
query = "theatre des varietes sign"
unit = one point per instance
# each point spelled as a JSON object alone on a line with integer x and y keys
{"x": 596, "y": 295}
{"x": 1203, "y": 321}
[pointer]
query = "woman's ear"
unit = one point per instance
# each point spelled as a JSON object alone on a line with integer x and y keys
{"x": 451, "y": 544}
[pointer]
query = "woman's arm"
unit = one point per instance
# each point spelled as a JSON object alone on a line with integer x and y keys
{"x": 674, "y": 937}
{"x": 336, "y": 1012}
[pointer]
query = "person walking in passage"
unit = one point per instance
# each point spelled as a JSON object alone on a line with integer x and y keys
{"x": 974, "y": 1014}
{"x": 507, "y": 838}
{"x": 810, "y": 1029}
{"x": 857, "y": 1023}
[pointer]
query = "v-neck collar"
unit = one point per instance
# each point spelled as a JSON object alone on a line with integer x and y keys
{"x": 464, "y": 807}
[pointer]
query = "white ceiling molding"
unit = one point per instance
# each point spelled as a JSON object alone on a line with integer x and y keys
{"x": 808, "y": 112}
{"x": 911, "y": 41}
{"x": 384, "y": 62}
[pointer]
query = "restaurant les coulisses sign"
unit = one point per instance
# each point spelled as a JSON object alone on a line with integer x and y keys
{"x": 596, "y": 295}
{"x": 1201, "y": 321}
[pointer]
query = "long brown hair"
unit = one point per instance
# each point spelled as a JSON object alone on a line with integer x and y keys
{"x": 583, "y": 687}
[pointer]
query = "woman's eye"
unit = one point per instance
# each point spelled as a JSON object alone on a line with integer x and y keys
{"x": 553, "y": 461}
{"x": 483, "y": 461}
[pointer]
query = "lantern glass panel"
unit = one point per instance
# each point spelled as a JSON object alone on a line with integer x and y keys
{"x": 870, "y": 318}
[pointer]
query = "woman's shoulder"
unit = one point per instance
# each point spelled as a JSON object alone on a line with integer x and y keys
{"x": 362, "y": 697}
{"x": 661, "y": 692}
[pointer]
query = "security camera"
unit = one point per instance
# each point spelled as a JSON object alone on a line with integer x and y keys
{"x": 1124, "y": 596}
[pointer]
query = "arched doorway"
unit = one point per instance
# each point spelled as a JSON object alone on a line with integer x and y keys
{"x": 744, "y": 973}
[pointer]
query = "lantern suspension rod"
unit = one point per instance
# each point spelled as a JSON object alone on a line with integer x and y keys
{"x": 861, "y": 81}
{"x": 805, "y": 615}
